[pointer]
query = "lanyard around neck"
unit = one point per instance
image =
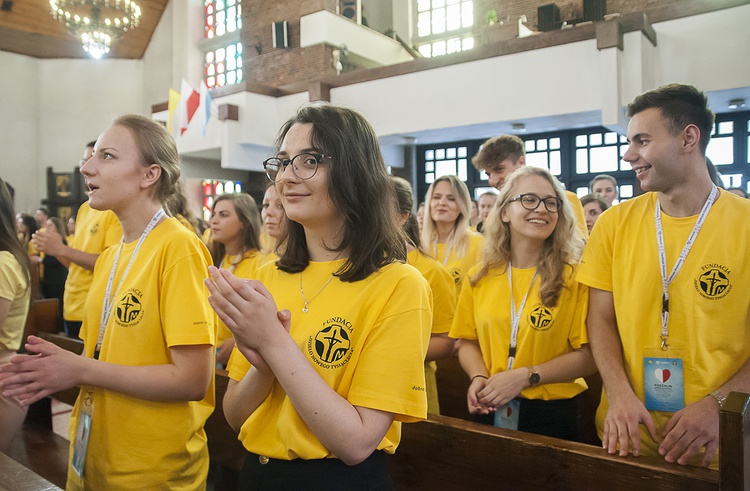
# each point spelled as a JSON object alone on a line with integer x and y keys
{"x": 447, "y": 253}
{"x": 107, "y": 304}
{"x": 667, "y": 280}
{"x": 515, "y": 316}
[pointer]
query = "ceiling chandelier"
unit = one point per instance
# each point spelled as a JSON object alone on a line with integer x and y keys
{"x": 96, "y": 22}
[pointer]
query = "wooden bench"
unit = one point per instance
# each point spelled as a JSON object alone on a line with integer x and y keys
{"x": 15, "y": 477}
{"x": 449, "y": 453}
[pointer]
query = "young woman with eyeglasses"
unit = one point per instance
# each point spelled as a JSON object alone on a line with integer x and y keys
{"x": 320, "y": 388}
{"x": 146, "y": 371}
{"x": 446, "y": 233}
{"x": 521, "y": 317}
{"x": 235, "y": 228}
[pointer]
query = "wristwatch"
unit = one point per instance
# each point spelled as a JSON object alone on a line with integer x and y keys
{"x": 534, "y": 377}
{"x": 720, "y": 397}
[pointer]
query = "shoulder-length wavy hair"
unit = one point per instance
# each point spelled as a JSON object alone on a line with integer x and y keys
{"x": 247, "y": 212}
{"x": 358, "y": 187}
{"x": 562, "y": 248}
{"x": 8, "y": 238}
{"x": 458, "y": 240}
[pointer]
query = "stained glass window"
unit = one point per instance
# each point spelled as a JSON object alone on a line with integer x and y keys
{"x": 224, "y": 66}
{"x": 222, "y": 16}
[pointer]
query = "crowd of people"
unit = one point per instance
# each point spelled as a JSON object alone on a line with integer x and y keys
{"x": 330, "y": 304}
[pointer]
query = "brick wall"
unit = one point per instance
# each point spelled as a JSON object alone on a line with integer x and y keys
{"x": 277, "y": 67}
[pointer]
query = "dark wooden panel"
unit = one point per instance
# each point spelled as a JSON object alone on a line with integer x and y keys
{"x": 447, "y": 453}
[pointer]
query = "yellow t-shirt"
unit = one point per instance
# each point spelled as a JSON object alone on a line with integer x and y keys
{"x": 443, "y": 291}
{"x": 95, "y": 231}
{"x": 579, "y": 213}
{"x": 246, "y": 268}
{"x": 14, "y": 287}
{"x": 381, "y": 326}
{"x": 483, "y": 314}
{"x": 709, "y": 314}
{"x": 459, "y": 266}
{"x": 135, "y": 443}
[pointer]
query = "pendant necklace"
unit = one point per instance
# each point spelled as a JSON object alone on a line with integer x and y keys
{"x": 302, "y": 291}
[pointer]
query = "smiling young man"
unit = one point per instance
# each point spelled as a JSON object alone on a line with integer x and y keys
{"x": 501, "y": 155}
{"x": 668, "y": 308}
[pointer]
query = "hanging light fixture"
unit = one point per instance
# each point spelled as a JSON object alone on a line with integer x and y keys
{"x": 96, "y": 22}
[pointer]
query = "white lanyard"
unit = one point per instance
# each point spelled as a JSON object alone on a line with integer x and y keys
{"x": 236, "y": 261}
{"x": 666, "y": 281}
{"x": 515, "y": 316}
{"x": 107, "y": 304}
{"x": 447, "y": 254}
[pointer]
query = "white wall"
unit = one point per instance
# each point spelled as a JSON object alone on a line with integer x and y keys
{"x": 18, "y": 128}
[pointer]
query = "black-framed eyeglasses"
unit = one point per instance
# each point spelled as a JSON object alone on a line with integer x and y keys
{"x": 531, "y": 202}
{"x": 304, "y": 165}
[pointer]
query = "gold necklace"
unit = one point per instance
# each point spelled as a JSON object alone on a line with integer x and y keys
{"x": 302, "y": 291}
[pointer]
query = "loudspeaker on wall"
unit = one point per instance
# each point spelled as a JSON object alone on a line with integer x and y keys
{"x": 280, "y": 34}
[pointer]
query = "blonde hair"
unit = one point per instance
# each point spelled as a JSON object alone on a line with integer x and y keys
{"x": 156, "y": 146}
{"x": 562, "y": 248}
{"x": 458, "y": 240}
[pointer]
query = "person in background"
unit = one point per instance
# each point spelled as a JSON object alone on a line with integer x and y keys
{"x": 606, "y": 186}
{"x": 738, "y": 191}
{"x": 27, "y": 227}
{"x": 474, "y": 220}
{"x": 441, "y": 285}
{"x": 54, "y": 273}
{"x": 420, "y": 215}
{"x": 319, "y": 389}
{"x": 593, "y": 205}
{"x": 486, "y": 202}
{"x": 521, "y": 316}
{"x": 501, "y": 155}
{"x": 274, "y": 222}
{"x": 235, "y": 228}
{"x": 71, "y": 226}
{"x": 15, "y": 292}
{"x": 177, "y": 206}
{"x": 41, "y": 216}
{"x": 446, "y": 234}
{"x": 146, "y": 372}
{"x": 96, "y": 230}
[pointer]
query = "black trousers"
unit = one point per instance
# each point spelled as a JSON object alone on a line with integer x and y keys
{"x": 557, "y": 418}
{"x": 318, "y": 474}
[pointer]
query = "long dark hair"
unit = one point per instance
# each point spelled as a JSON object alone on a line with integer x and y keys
{"x": 359, "y": 188}
{"x": 405, "y": 205}
{"x": 8, "y": 238}
{"x": 247, "y": 212}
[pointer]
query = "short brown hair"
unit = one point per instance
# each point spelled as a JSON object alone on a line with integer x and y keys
{"x": 680, "y": 105}
{"x": 498, "y": 149}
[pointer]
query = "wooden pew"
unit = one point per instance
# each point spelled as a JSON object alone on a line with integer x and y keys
{"x": 15, "y": 477}
{"x": 449, "y": 453}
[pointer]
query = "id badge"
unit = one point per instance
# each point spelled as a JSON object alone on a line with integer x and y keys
{"x": 664, "y": 384}
{"x": 506, "y": 416}
{"x": 83, "y": 431}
